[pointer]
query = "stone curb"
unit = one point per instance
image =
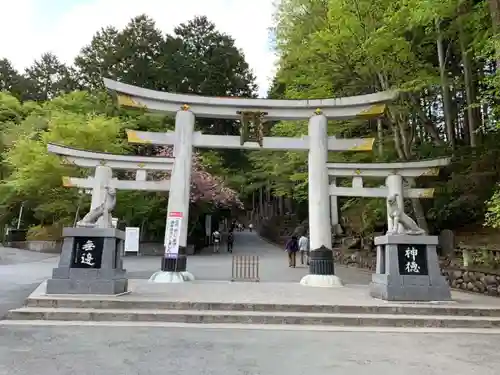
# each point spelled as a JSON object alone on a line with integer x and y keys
{"x": 68, "y": 303}
{"x": 253, "y": 318}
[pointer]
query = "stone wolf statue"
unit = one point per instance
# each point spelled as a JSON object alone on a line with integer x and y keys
{"x": 398, "y": 221}
{"x": 103, "y": 210}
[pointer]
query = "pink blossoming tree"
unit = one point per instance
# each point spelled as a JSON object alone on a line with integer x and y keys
{"x": 205, "y": 187}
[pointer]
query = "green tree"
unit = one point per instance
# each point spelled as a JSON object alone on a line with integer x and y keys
{"x": 441, "y": 58}
{"x": 131, "y": 55}
{"x": 11, "y": 80}
{"x": 48, "y": 77}
{"x": 98, "y": 59}
{"x": 209, "y": 64}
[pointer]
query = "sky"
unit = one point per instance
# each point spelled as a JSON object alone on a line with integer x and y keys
{"x": 32, "y": 27}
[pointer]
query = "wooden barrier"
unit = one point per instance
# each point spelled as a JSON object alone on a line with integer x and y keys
{"x": 245, "y": 268}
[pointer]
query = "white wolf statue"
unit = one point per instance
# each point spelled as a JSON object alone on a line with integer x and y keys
{"x": 103, "y": 210}
{"x": 398, "y": 221}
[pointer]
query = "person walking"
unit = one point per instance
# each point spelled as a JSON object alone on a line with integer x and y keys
{"x": 292, "y": 247}
{"x": 304, "y": 249}
{"x": 216, "y": 237}
{"x": 230, "y": 242}
{"x": 250, "y": 227}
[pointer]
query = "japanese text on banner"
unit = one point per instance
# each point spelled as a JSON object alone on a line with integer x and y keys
{"x": 173, "y": 230}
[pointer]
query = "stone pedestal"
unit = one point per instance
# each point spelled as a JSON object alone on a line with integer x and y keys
{"x": 408, "y": 270}
{"x": 90, "y": 263}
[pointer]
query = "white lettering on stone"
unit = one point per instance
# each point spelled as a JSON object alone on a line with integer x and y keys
{"x": 88, "y": 246}
{"x": 87, "y": 259}
{"x": 412, "y": 267}
{"x": 411, "y": 253}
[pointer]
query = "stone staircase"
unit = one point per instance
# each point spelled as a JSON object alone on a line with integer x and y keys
{"x": 112, "y": 309}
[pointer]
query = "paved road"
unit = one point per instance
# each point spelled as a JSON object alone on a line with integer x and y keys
{"x": 193, "y": 351}
{"x": 105, "y": 350}
{"x": 273, "y": 263}
{"x": 22, "y": 271}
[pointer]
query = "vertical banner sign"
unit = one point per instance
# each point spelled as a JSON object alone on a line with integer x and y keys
{"x": 174, "y": 222}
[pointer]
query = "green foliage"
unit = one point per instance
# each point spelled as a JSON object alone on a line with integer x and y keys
{"x": 36, "y": 175}
{"x": 337, "y": 48}
{"x": 493, "y": 213}
{"x": 89, "y": 119}
{"x": 326, "y": 48}
{"x": 49, "y": 77}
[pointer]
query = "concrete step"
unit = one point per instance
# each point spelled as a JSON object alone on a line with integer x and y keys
{"x": 82, "y": 302}
{"x": 251, "y": 317}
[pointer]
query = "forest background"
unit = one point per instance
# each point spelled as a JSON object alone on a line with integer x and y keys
{"x": 442, "y": 56}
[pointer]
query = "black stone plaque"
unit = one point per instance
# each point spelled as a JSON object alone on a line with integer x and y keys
{"x": 412, "y": 260}
{"x": 87, "y": 252}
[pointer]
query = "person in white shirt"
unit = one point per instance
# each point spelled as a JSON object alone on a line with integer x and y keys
{"x": 216, "y": 237}
{"x": 304, "y": 249}
{"x": 250, "y": 227}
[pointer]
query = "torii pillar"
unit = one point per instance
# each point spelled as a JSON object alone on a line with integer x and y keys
{"x": 173, "y": 269}
{"x": 321, "y": 267}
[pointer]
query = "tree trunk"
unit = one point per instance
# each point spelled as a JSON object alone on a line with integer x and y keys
{"x": 403, "y": 142}
{"x": 468, "y": 81}
{"x": 261, "y": 202}
{"x": 418, "y": 209}
{"x": 289, "y": 203}
{"x": 494, "y": 6}
{"x": 404, "y": 154}
{"x": 380, "y": 136}
{"x": 445, "y": 87}
{"x": 252, "y": 214}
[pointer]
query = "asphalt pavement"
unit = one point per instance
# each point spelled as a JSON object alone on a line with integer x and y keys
{"x": 199, "y": 351}
{"x": 126, "y": 350}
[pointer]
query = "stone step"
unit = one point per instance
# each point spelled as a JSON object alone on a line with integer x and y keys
{"x": 135, "y": 303}
{"x": 251, "y": 317}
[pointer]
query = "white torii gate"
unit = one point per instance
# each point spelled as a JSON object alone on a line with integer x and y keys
{"x": 104, "y": 163}
{"x": 317, "y": 111}
{"x": 393, "y": 173}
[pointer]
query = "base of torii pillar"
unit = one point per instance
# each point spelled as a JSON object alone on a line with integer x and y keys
{"x": 173, "y": 270}
{"x": 321, "y": 270}
{"x": 171, "y": 277}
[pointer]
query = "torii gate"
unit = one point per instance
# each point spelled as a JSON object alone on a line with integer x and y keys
{"x": 104, "y": 163}
{"x": 393, "y": 173}
{"x": 252, "y": 113}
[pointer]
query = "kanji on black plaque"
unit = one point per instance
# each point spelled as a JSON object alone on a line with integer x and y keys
{"x": 87, "y": 252}
{"x": 412, "y": 260}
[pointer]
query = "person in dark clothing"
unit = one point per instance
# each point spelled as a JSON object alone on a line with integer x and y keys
{"x": 292, "y": 247}
{"x": 230, "y": 242}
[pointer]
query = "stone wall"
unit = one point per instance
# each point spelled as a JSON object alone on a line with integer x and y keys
{"x": 470, "y": 280}
{"x": 477, "y": 281}
{"x": 359, "y": 259}
{"x": 38, "y": 246}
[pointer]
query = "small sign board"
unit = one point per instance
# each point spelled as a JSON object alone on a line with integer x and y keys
{"x": 208, "y": 225}
{"x": 87, "y": 252}
{"x": 132, "y": 236}
{"x": 412, "y": 260}
{"x": 173, "y": 234}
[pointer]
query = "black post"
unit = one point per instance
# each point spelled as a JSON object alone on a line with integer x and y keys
{"x": 321, "y": 261}
{"x": 177, "y": 264}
